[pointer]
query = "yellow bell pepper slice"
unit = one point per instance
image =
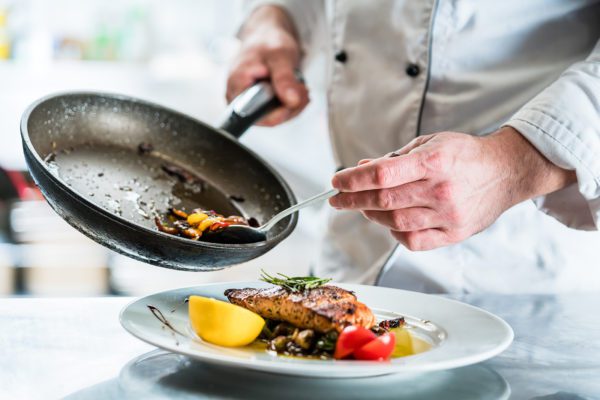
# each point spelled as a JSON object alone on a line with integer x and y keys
{"x": 204, "y": 225}
{"x": 196, "y": 218}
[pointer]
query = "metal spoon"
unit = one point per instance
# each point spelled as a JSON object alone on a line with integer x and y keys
{"x": 241, "y": 234}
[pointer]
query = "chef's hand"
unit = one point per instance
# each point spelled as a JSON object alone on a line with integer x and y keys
{"x": 443, "y": 188}
{"x": 270, "y": 50}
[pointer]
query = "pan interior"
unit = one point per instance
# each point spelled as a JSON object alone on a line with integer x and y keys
{"x": 134, "y": 186}
{"x": 136, "y": 160}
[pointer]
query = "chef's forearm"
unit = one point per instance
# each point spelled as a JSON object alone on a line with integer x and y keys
{"x": 267, "y": 17}
{"x": 529, "y": 173}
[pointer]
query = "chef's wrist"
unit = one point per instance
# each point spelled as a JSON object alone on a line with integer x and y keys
{"x": 265, "y": 18}
{"x": 528, "y": 173}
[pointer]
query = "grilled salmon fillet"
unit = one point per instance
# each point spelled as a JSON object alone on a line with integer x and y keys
{"x": 326, "y": 308}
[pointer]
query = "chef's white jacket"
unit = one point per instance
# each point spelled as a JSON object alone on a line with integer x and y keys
{"x": 403, "y": 68}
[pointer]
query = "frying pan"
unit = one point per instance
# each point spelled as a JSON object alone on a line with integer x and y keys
{"x": 108, "y": 163}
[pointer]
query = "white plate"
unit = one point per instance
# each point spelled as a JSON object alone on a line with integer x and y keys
{"x": 460, "y": 334}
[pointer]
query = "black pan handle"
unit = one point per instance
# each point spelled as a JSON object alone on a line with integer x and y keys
{"x": 248, "y": 107}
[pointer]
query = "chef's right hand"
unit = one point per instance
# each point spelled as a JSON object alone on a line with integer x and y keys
{"x": 270, "y": 50}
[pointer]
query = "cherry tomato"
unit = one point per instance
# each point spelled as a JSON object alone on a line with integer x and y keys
{"x": 351, "y": 338}
{"x": 380, "y": 348}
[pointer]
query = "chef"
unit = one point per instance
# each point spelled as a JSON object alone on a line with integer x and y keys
{"x": 467, "y": 132}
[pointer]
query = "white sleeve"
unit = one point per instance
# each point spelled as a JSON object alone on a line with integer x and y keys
{"x": 563, "y": 123}
{"x": 306, "y": 15}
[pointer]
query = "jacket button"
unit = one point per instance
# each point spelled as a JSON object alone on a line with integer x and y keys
{"x": 341, "y": 56}
{"x": 413, "y": 70}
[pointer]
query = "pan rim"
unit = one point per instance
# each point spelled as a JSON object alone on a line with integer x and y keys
{"x": 116, "y": 96}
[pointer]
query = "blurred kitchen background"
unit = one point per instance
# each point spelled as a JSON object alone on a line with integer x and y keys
{"x": 174, "y": 53}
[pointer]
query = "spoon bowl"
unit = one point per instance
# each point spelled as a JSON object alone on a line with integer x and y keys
{"x": 243, "y": 234}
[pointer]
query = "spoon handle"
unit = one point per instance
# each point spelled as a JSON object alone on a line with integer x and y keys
{"x": 293, "y": 209}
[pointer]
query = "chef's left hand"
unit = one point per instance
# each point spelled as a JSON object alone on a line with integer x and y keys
{"x": 445, "y": 187}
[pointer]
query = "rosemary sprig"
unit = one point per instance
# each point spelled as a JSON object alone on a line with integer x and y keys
{"x": 293, "y": 283}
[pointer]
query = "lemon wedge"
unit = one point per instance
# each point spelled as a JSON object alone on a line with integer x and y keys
{"x": 404, "y": 343}
{"x": 223, "y": 323}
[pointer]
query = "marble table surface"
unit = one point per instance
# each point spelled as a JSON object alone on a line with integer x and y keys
{"x": 76, "y": 349}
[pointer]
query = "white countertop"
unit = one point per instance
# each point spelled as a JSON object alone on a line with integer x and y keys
{"x": 52, "y": 348}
